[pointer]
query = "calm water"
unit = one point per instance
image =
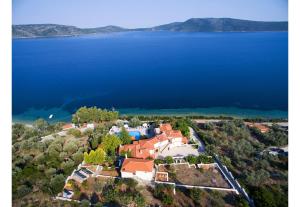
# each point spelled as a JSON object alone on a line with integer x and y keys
{"x": 150, "y": 71}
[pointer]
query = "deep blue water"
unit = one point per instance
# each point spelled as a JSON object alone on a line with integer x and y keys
{"x": 151, "y": 70}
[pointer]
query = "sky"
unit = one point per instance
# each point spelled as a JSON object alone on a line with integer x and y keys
{"x": 142, "y": 13}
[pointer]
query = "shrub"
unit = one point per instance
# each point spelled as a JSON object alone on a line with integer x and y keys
{"x": 23, "y": 190}
{"x": 169, "y": 160}
{"x": 158, "y": 161}
{"x": 167, "y": 199}
{"x": 191, "y": 159}
{"x": 85, "y": 185}
{"x": 77, "y": 157}
{"x": 70, "y": 147}
{"x": 75, "y": 132}
{"x": 134, "y": 122}
{"x": 57, "y": 184}
{"x": 195, "y": 194}
{"x": 139, "y": 200}
{"x": 85, "y": 203}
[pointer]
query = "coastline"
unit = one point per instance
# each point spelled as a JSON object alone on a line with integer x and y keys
{"x": 61, "y": 115}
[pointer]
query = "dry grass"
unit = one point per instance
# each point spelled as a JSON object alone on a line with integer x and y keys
{"x": 182, "y": 174}
{"x": 113, "y": 173}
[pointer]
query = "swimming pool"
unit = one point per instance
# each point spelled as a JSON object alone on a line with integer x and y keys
{"x": 135, "y": 134}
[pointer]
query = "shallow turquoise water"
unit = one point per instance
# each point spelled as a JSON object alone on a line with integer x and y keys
{"x": 61, "y": 115}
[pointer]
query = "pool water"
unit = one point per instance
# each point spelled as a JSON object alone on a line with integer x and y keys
{"x": 135, "y": 134}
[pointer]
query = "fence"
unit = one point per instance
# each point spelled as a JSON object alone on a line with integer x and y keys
{"x": 233, "y": 181}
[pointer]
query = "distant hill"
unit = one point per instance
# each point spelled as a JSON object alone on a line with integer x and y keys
{"x": 222, "y": 25}
{"x": 191, "y": 25}
{"x": 52, "y": 30}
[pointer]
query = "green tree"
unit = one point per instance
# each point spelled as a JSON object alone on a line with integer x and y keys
{"x": 57, "y": 183}
{"x": 110, "y": 143}
{"x": 94, "y": 142}
{"x": 41, "y": 125}
{"x": 87, "y": 158}
{"x": 68, "y": 166}
{"x": 183, "y": 126}
{"x": 134, "y": 122}
{"x": 257, "y": 178}
{"x": 124, "y": 136}
{"x": 263, "y": 198}
{"x": 70, "y": 147}
{"x": 77, "y": 157}
{"x": 93, "y": 114}
{"x": 100, "y": 156}
{"x": 95, "y": 157}
{"x": 18, "y": 130}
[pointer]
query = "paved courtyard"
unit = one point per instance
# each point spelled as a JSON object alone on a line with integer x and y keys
{"x": 179, "y": 151}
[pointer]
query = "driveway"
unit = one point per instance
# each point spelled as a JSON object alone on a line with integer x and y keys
{"x": 194, "y": 136}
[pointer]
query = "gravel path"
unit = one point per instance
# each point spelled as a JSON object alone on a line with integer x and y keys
{"x": 194, "y": 136}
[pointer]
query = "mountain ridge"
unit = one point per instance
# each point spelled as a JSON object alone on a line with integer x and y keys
{"x": 190, "y": 25}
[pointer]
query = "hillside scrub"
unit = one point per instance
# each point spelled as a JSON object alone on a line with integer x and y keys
{"x": 240, "y": 149}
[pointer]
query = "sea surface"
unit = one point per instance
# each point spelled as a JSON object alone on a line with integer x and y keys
{"x": 234, "y": 73}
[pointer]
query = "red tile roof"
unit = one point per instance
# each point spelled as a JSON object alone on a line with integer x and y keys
{"x": 259, "y": 126}
{"x": 67, "y": 126}
{"x": 141, "y": 148}
{"x": 133, "y": 165}
{"x": 165, "y": 127}
{"x": 173, "y": 133}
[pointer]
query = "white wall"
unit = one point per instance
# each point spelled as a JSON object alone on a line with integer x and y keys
{"x": 126, "y": 174}
{"x": 144, "y": 175}
{"x": 140, "y": 174}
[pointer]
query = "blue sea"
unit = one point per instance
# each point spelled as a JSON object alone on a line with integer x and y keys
{"x": 234, "y": 73}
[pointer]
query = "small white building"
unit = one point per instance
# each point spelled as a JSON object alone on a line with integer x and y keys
{"x": 87, "y": 126}
{"x": 90, "y": 126}
{"x": 138, "y": 168}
